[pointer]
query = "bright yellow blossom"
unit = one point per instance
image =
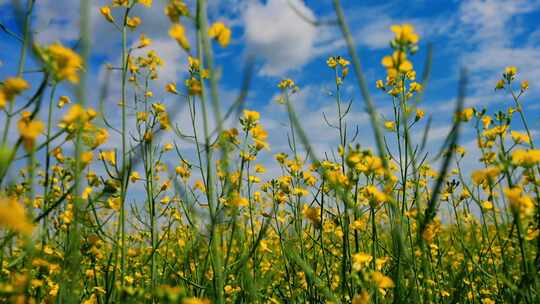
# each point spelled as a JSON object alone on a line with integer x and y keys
{"x": 251, "y": 116}
{"x": 175, "y": 9}
{"x": 510, "y": 72}
{"x": 483, "y": 176}
{"x": 362, "y": 298}
{"x": 62, "y": 101}
{"x": 221, "y": 33}
{"x": 466, "y": 114}
{"x": 419, "y": 114}
{"x": 524, "y": 86}
{"x": 525, "y": 158}
{"x": 390, "y": 125}
{"x": 405, "y": 33}
{"x": 133, "y": 22}
{"x": 171, "y": 88}
{"x": 13, "y": 86}
{"x": 30, "y": 130}
{"x": 361, "y": 260}
{"x": 147, "y": 3}
{"x": 108, "y": 156}
{"x": 519, "y": 137}
{"x": 63, "y": 62}
{"x": 194, "y": 86}
{"x": 13, "y": 216}
{"x": 520, "y": 202}
{"x": 178, "y": 33}
{"x": 144, "y": 41}
{"x": 106, "y": 12}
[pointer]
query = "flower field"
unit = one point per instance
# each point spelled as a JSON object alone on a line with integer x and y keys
{"x": 128, "y": 202}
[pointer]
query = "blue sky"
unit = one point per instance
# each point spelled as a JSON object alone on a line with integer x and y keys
{"x": 484, "y": 36}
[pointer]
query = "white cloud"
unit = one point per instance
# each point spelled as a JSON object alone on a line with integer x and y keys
{"x": 52, "y": 24}
{"x": 275, "y": 32}
{"x": 486, "y": 37}
{"x": 489, "y": 19}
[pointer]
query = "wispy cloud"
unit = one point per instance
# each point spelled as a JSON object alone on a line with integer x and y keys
{"x": 275, "y": 32}
{"x": 488, "y": 31}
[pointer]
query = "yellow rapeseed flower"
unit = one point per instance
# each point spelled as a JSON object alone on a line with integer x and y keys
{"x": 466, "y": 114}
{"x": 221, "y": 33}
{"x": 415, "y": 87}
{"x": 199, "y": 185}
{"x": 147, "y": 3}
{"x": 100, "y": 137}
{"x": 390, "y": 125}
{"x": 524, "y": 85}
{"x": 487, "y": 205}
{"x": 14, "y": 86}
{"x": 260, "y": 168}
{"x": 419, "y": 114}
{"x": 158, "y": 107}
{"x": 114, "y": 203}
{"x": 398, "y": 62}
{"x": 63, "y": 62}
{"x": 108, "y": 156}
{"x": 13, "y": 216}
{"x": 133, "y": 22}
{"x": 521, "y": 203}
{"x": 120, "y": 2}
{"x": 87, "y": 157}
{"x": 3, "y": 100}
{"x": 382, "y": 281}
{"x": 62, "y": 101}
{"x": 362, "y": 298}
{"x": 286, "y": 83}
{"x": 312, "y": 214}
{"x": 375, "y": 194}
{"x": 134, "y": 176}
{"x": 11, "y": 88}
{"x": 237, "y": 201}
{"x": 252, "y": 116}
{"x": 30, "y": 130}
{"x": 361, "y": 260}
{"x": 175, "y": 9}
{"x": 144, "y": 41}
{"x": 178, "y": 32}
{"x": 194, "y": 86}
{"x": 510, "y": 72}
{"x": 171, "y": 88}
{"x": 74, "y": 113}
{"x": 486, "y": 175}
{"x": 196, "y": 300}
{"x": 519, "y": 137}
{"x": 331, "y": 62}
{"x": 106, "y": 12}
{"x": 525, "y": 158}
{"x": 486, "y": 121}
{"x": 194, "y": 64}
{"x": 342, "y": 61}
{"x": 405, "y": 33}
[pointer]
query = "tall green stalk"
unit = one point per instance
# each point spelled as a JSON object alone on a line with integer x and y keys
{"x": 71, "y": 292}
{"x": 125, "y": 151}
